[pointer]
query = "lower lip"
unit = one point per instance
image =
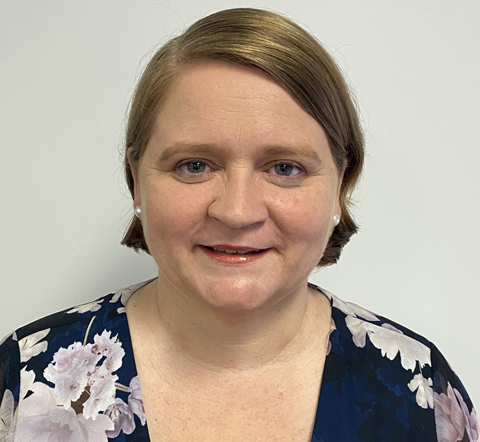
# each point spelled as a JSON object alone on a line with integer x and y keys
{"x": 233, "y": 258}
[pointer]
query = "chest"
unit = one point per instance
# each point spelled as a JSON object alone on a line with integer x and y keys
{"x": 273, "y": 409}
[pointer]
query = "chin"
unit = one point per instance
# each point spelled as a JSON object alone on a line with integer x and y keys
{"x": 237, "y": 298}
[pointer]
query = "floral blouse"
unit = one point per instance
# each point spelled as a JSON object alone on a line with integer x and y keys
{"x": 71, "y": 377}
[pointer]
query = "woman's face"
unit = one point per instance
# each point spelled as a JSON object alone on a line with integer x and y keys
{"x": 237, "y": 187}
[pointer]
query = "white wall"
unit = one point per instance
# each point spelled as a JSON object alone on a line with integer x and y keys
{"x": 67, "y": 71}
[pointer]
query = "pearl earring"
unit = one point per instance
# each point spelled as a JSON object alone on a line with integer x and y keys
{"x": 138, "y": 212}
{"x": 336, "y": 220}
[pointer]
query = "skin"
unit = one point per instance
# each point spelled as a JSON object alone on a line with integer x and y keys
{"x": 234, "y": 161}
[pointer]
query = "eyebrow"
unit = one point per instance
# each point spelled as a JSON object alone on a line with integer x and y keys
{"x": 268, "y": 151}
{"x": 296, "y": 150}
{"x": 185, "y": 148}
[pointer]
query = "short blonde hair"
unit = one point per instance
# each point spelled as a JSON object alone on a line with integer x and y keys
{"x": 286, "y": 53}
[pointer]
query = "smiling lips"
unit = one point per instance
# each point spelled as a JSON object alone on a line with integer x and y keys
{"x": 228, "y": 254}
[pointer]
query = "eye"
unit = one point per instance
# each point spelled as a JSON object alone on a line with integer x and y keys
{"x": 193, "y": 170}
{"x": 195, "y": 167}
{"x": 285, "y": 169}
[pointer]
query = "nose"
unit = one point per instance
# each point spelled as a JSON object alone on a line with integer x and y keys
{"x": 239, "y": 201}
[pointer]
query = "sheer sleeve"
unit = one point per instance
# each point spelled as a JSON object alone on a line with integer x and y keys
{"x": 9, "y": 387}
{"x": 455, "y": 415}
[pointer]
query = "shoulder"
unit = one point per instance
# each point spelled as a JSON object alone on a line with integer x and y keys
{"x": 32, "y": 339}
{"x": 30, "y": 334}
{"x": 41, "y": 338}
{"x": 366, "y": 328}
{"x": 106, "y": 305}
{"x": 398, "y": 363}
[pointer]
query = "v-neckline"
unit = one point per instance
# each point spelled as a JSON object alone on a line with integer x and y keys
{"x": 127, "y": 293}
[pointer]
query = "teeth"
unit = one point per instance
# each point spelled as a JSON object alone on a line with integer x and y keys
{"x": 232, "y": 251}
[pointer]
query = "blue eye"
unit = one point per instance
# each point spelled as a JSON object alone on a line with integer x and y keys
{"x": 196, "y": 167}
{"x": 286, "y": 169}
{"x": 193, "y": 170}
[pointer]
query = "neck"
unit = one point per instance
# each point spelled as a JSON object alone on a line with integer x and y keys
{"x": 202, "y": 336}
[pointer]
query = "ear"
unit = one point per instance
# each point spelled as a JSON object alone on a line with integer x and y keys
{"x": 137, "y": 201}
{"x": 338, "y": 208}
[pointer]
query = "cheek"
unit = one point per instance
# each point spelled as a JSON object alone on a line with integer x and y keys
{"x": 172, "y": 212}
{"x": 305, "y": 217}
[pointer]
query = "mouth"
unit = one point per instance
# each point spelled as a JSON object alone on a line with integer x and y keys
{"x": 239, "y": 251}
{"x": 229, "y": 254}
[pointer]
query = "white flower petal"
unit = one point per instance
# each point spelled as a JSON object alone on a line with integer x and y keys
{"x": 391, "y": 327}
{"x": 30, "y": 345}
{"x": 352, "y": 309}
{"x": 125, "y": 294}
{"x": 391, "y": 343}
{"x": 88, "y": 307}
{"x": 357, "y": 329}
{"x": 7, "y": 417}
{"x": 424, "y": 390}
{"x": 27, "y": 378}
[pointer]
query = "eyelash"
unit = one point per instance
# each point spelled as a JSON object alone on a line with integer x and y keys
{"x": 182, "y": 171}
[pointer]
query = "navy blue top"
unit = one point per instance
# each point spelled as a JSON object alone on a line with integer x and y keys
{"x": 71, "y": 376}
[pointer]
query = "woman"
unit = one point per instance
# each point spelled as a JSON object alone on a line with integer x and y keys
{"x": 242, "y": 149}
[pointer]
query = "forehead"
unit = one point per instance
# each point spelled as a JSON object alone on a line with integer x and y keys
{"x": 213, "y": 101}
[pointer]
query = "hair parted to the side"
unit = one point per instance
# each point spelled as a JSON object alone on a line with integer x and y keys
{"x": 289, "y": 55}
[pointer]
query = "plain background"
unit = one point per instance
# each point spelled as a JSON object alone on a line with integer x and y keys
{"x": 67, "y": 72}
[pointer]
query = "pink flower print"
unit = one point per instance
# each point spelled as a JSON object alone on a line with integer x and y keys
{"x": 471, "y": 421}
{"x": 69, "y": 372}
{"x": 76, "y": 370}
{"x": 122, "y": 414}
{"x": 122, "y": 417}
{"x": 7, "y": 417}
{"x": 453, "y": 418}
{"x": 135, "y": 400}
{"x": 102, "y": 395}
{"x": 110, "y": 348}
{"x": 41, "y": 420}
